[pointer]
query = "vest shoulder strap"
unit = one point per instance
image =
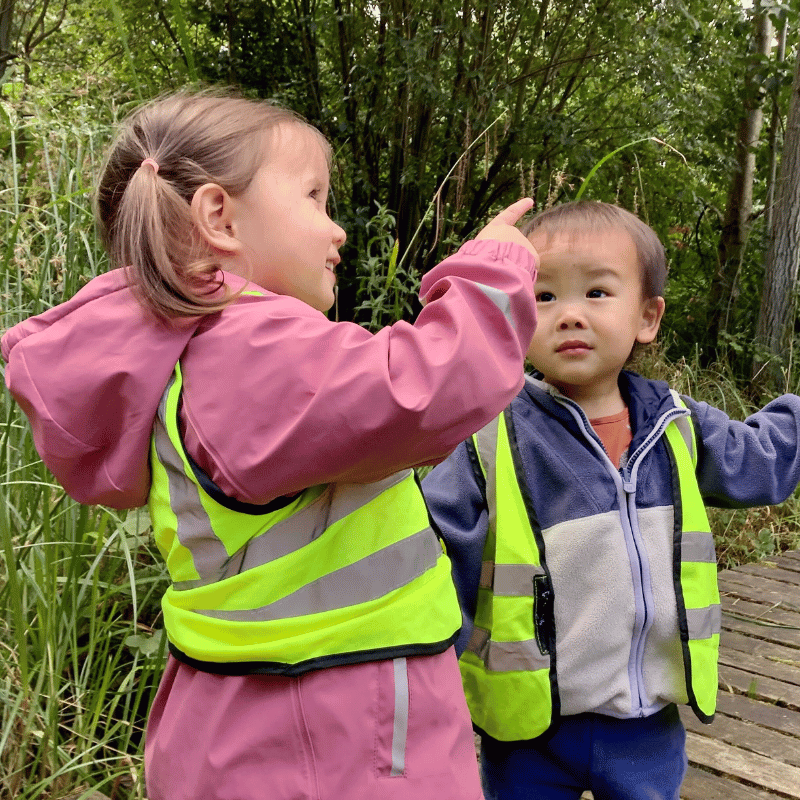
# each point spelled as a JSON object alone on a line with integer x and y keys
{"x": 685, "y": 426}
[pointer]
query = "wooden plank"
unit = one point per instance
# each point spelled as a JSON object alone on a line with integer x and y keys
{"x": 701, "y": 785}
{"x": 766, "y": 667}
{"x": 760, "y": 590}
{"x": 773, "y": 717}
{"x": 758, "y": 573}
{"x": 768, "y": 569}
{"x": 776, "y": 614}
{"x": 787, "y": 561}
{"x": 780, "y": 636}
{"x": 792, "y": 555}
{"x": 747, "y": 736}
{"x": 759, "y": 687}
{"x": 742, "y": 765}
{"x": 758, "y": 647}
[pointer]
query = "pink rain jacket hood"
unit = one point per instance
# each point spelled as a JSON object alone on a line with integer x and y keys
{"x": 276, "y": 396}
{"x": 89, "y": 375}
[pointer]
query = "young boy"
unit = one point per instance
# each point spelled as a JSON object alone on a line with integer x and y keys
{"x": 577, "y": 527}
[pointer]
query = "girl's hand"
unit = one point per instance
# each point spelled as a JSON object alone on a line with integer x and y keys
{"x": 503, "y": 227}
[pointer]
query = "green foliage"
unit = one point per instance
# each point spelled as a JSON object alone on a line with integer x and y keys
{"x": 387, "y": 291}
{"x": 439, "y": 114}
{"x": 79, "y": 587}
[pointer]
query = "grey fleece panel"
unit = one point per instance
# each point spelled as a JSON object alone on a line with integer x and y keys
{"x": 594, "y": 613}
{"x": 662, "y": 668}
{"x": 594, "y": 625}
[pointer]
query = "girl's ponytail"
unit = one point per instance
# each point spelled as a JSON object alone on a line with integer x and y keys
{"x": 162, "y": 154}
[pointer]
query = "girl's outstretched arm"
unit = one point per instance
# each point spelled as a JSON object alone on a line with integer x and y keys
{"x": 277, "y": 397}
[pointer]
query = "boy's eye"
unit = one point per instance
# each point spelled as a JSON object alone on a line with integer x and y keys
{"x": 595, "y": 293}
{"x": 545, "y": 297}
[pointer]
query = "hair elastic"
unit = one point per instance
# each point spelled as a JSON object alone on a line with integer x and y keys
{"x": 150, "y": 162}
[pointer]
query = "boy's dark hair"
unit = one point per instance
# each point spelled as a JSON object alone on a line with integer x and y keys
{"x": 592, "y": 215}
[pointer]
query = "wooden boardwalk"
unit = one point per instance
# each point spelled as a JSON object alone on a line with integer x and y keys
{"x": 752, "y": 749}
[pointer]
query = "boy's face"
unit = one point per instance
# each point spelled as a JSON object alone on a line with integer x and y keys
{"x": 591, "y": 312}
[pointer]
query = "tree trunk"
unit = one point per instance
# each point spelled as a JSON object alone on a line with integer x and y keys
{"x": 774, "y": 125}
{"x": 6, "y": 17}
{"x": 782, "y": 258}
{"x": 736, "y": 224}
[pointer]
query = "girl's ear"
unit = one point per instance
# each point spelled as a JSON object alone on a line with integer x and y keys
{"x": 652, "y": 312}
{"x": 212, "y": 210}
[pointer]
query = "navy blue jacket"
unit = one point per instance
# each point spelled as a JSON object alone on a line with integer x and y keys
{"x": 608, "y": 531}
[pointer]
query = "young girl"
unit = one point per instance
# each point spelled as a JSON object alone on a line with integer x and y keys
{"x": 311, "y": 614}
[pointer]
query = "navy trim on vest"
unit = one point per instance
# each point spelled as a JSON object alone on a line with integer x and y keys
{"x": 216, "y": 494}
{"x": 677, "y": 559}
{"x": 477, "y": 468}
{"x": 555, "y": 699}
{"x": 321, "y": 662}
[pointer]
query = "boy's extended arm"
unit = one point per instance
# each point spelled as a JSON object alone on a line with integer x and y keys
{"x": 750, "y": 463}
{"x": 458, "y": 508}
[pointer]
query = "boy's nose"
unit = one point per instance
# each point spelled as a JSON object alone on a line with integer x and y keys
{"x": 571, "y": 318}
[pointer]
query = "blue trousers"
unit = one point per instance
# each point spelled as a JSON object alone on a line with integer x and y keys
{"x": 617, "y": 759}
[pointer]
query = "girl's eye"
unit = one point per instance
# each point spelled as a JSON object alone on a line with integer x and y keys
{"x": 545, "y": 297}
{"x": 595, "y": 293}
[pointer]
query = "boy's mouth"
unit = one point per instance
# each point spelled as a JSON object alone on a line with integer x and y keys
{"x": 572, "y": 346}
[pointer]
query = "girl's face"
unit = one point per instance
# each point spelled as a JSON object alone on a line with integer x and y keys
{"x": 291, "y": 245}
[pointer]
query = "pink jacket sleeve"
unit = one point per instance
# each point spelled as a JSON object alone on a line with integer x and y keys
{"x": 278, "y": 398}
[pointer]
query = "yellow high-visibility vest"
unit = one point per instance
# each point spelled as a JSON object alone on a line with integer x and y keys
{"x": 509, "y": 666}
{"x": 338, "y": 574}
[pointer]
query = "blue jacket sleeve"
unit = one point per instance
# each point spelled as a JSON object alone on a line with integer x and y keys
{"x": 458, "y": 508}
{"x": 750, "y": 463}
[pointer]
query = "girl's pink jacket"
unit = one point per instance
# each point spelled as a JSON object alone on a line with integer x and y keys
{"x": 276, "y": 397}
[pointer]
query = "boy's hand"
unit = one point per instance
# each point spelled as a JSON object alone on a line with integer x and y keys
{"x": 503, "y": 227}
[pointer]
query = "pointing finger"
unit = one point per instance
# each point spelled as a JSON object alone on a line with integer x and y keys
{"x": 512, "y": 214}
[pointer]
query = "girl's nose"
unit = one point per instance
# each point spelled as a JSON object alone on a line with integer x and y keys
{"x": 339, "y": 235}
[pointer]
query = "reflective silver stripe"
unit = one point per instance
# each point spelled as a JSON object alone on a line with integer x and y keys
{"x": 685, "y": 427}
{"x": 479, "y": 642}
{"x": 194, "y": 528}
{"x": 500, "y": 299}
{"x": 704, "y": 622}
{"x": 507, "y": 656}
{"x": 487, "y": 575}
{"x": 486, "y": 439}
{"x": 698, "y": 546}
{"x": 400, "y": 730}
{"x": 368, "y": 579}
{"x": 515, "y": 580}
{"x": 196, "y": 533}
{"x": 335, "y": 503}
{"x": 304, "y": 526}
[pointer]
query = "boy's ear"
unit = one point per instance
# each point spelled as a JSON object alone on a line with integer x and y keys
{"x": 652, "y": 312}
{"x": 212, "y": 212}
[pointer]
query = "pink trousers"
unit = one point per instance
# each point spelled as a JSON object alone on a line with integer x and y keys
{"x": 384, "y": 730}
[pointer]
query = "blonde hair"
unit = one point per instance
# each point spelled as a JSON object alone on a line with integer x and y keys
{"x": 144, "y": 210}
{"x": 591, "y": 215}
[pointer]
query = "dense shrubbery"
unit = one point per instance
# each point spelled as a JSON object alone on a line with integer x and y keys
{"x": 81, "y": 645}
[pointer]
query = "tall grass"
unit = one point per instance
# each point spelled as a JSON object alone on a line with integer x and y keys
{"x": 81, "y": 645}
{"x": 79, "y": 642}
